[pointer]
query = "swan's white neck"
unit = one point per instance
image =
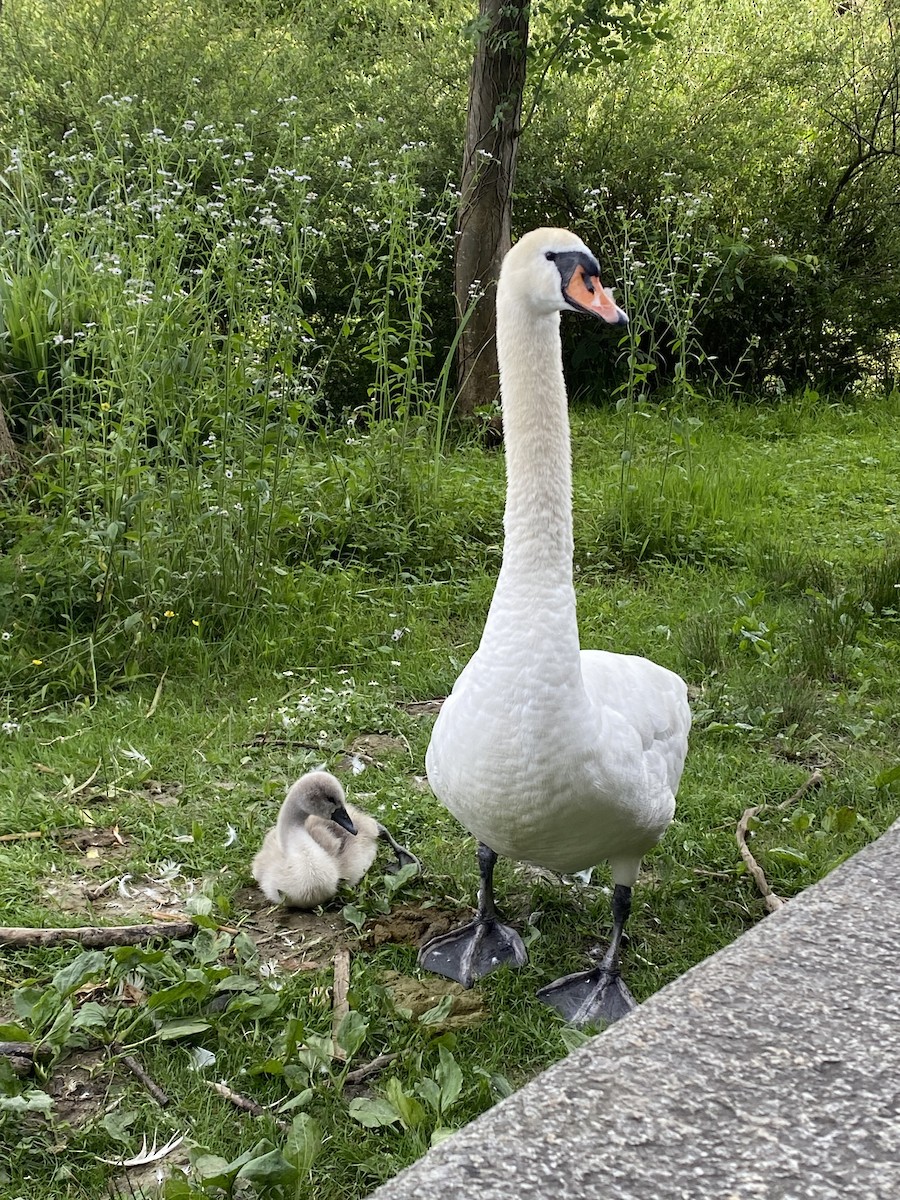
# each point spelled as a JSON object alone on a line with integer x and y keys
{"x": 535, "y": 597}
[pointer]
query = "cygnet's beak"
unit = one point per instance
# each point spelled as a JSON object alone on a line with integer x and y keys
{"x": 341, "y": 817}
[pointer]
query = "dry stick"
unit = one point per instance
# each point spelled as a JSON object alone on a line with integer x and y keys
{"x": 94, "y": 935}
{"x": 339, "y": 1004}
{"x": 18, "y": 837}
{"x": 370, "y": 1068}
{"x": 772, "y": 902}
{"x": 24, "y": 1050}
{"x": 138, "y": 1071}
{"x": 244, "y": 1103}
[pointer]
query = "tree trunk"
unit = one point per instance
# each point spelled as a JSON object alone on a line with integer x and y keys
{"x": 496, "y": 85}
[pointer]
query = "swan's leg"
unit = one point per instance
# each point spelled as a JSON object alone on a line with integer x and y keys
{"x": 476, "y": 949}
{"x": 589, "y": 997}
{"x": 404, "y": 857}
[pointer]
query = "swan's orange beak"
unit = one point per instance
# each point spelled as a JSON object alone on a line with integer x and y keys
{"x": 587, "y": 293}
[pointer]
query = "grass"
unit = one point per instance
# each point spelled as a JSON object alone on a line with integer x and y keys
{"x": 789, "y": 643}
{"x": 243, "y": 545}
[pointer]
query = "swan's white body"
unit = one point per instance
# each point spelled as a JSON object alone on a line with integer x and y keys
{"x": 304, "y": 859}
{"x": 547, "y": 753}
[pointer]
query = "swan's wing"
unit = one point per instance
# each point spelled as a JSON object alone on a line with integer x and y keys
{"x": 645, "y": 704}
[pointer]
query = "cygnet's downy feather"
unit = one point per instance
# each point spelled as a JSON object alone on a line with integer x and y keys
{"x": 318, "y": 842}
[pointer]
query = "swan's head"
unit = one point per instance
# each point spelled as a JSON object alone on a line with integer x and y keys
{"x": 552, "y": 270}
{"x": 319, "y": 794}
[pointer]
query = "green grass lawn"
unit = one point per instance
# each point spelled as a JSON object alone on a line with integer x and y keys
{"x": 754, "y": 549}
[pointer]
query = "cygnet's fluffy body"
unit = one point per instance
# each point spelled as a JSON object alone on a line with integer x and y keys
{"x": 319, "y": 841}
{"x": 312, "y": 847}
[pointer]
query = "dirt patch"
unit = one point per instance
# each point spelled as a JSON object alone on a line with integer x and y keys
{"x": 166, "y": 795}
{"x": 417, "y": 996}
{"x": 411, "y": 926}
{"x": 423, "y": 708}
{"x": 121, "y": 898}
{"x": 295, "y": 940}
{"x": 97, "y": 847}
{"x": 82, "y": 1087}
{"x": 292, "y": 938}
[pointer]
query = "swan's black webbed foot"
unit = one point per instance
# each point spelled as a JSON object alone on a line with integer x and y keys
{"x": 476, "y": 949}
{"x": 405, "y": 858}
{"x": 589, "y": 997}
{"x": 473, "y": 951}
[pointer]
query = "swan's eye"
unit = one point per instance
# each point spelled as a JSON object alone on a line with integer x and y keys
{"x": 550, "y": 256}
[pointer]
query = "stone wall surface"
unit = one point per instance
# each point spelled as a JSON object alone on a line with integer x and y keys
{"x": 770, "y": 1071}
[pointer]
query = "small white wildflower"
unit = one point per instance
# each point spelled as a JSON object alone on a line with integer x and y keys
{"x": 10, "y": 727}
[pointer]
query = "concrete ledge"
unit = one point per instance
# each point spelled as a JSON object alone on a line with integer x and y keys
{"x": 770, "y": 1070}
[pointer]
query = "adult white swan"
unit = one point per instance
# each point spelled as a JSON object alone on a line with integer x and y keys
{"x": 545, "y": 752}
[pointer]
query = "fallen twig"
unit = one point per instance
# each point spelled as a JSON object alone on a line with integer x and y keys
{"x": 370, "y": 1068}
{"x": 245, "y": 1104}
{"x": 771, "y": 900}
{"x": 24, "y": 1050}
{"x": 94, "y": 935}
{"x": 20, "y": 837}
{"x": 339, "y": 1003}
{"x": 140, "y": 1074}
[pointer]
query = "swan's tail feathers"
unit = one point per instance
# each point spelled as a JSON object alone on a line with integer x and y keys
{"x": 405, "y": 858}
{"x": 473, "y": 951}
{"x": 589, "y": 997}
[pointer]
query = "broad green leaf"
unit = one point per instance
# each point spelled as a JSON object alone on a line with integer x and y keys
{"x": 786, "y": 854}
{"x": 185, "y": 989}
{"x": 439, "y": 1013}
{"x": 843, "y": 819}
{"x": 117, "y": 1124}
{"x": 92, "y": 1016}
{"x": 173, "y": 1030}
{"x": 352, "y": 1032}
{"x": 78, "y": 971}
{"x": 373, "y": 1113}
{"x": 238, "y": 983}
{"x": 270, "y": 1066}
{"x": 14, "y": 1033}
{"x": 259, "y": 1006}
{"x": 395, "y": 881}
{"x": 430, "y": 1092}
{"x": 299, "y": 1101}
{"x": 58, "y": 1033}
{"x": 450, "y": 1078}
{"x": 886, "y": 778}
{"x": 30, "y": 1101}
{"x": 270, "y": 1168}
{"x": 441, "y": 1135}
{"x": 303, "y": 1142}
{"x": 245, "y": 948}
{"x": 354, "y": 916}
{"x": 412, "y": 1114}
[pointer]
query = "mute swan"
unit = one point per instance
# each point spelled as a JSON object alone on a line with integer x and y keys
{"x": 318, "y": 841}
{"x": 547, "y": 753}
